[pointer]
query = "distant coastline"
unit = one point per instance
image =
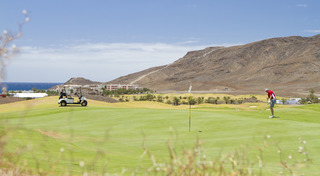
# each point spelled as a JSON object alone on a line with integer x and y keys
{"x": 17, "y": 86}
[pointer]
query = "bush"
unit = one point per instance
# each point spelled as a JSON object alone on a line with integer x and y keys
{"x": 176, "y": 101}
{"x": 200, "y": 100}
{"x": 226, "y": 100}
{"x": 192, "y": 101}
{"x": 143, "y": 98}
{"x": 211, "y": 100}
{"x": 311, "y": 98}
{"x": 149, "y": 97}
{"x": 184, "y": 103}
{"x": 159, "y": 99}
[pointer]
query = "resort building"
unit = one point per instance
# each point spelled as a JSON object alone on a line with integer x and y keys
{"x": 290, "y": 101}
{"x": 96, "y": 87}
{"x": 121, "y": 86}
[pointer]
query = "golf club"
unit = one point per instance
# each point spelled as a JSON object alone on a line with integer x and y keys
{"x": 264, "y": 108}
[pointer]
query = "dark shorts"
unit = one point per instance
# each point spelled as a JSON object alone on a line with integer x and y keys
{"x": 272, "y": 103}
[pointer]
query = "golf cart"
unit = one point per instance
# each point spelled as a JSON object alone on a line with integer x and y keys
{"x": 65, "y": 99}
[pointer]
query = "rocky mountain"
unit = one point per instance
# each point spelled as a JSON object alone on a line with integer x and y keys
{"x": 289, "y": 65}
{"x": 80, "y": 81}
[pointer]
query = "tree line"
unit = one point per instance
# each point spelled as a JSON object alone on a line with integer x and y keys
{"x": 187, "y": 100}
{"x": 122, "y": 91}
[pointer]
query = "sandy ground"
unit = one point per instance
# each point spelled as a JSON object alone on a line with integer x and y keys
{"x": 10, "y": 100}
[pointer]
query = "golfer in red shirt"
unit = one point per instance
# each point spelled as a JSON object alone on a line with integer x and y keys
{"x": 272, "y": 100}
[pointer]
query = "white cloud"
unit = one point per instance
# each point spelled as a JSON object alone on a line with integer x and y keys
{"x": 312, "y": 31}
{"x": 96, "y": 61}
{"x": 302, "y": 5}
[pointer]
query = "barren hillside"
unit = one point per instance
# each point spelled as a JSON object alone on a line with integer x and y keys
{"x": 288, "y": 65}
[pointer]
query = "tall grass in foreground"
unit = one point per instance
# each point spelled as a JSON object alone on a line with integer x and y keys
{"x": 191, "y": 161}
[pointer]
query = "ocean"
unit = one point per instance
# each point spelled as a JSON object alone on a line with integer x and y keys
{"x": 26, "y": 85}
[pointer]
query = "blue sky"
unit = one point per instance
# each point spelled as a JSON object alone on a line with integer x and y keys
{"x": 104, "y": 39}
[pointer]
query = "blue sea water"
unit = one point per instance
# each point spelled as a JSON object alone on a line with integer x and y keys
{"x": 27, "y": 85}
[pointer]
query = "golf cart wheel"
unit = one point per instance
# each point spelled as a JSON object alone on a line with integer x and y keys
{"x": 84, "y": 103}
{"x": 63, "y": 103}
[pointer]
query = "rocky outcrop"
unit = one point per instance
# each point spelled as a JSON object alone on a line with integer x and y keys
{"x": 80, "y": 81}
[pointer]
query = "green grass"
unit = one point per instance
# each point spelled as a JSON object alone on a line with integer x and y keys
{"x": 120, "y": 134}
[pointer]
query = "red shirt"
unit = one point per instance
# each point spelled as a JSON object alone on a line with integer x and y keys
{"x": 271, "y": 94}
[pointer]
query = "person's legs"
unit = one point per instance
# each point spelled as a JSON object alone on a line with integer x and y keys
{"x": 271, "y": 107}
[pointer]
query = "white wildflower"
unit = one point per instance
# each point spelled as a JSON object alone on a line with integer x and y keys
{"x": 81, "y": 163}
{"x": 300, "y": 148}
{"x": 290, "y": 156}
{"x": 5, "y": 32}
{"x": 268, "y": 136}
{"x": 304, "y": 142}
{"x": 24, "y": 11}
{"x": 204, "y": 156}
{"x": 279, "y": 151}
{"x": 61, "y": 150}
{"x": 27, "y": 19}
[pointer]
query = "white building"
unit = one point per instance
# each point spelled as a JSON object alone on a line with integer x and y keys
{"x": 30, "y": 95}
{"x": 121, "y": 86}
{"x": 294, "y": 101}
{"x": 290, "y": 101}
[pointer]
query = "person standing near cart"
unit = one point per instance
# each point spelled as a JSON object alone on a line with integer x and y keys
{"x": 271, "y": 100}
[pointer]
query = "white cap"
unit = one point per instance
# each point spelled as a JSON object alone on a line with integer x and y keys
{"x": 266, "y": 89}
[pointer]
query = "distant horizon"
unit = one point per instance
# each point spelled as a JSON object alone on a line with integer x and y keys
{"x": 26, "y": 86}
{"x": 27, "y": 82}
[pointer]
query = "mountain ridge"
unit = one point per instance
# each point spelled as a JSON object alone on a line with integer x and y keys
{"x": 290, "y": 65}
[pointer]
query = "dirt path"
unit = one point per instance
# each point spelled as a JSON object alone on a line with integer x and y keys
{"x": 141, "y": 77}
{"x": 49, "y": 134}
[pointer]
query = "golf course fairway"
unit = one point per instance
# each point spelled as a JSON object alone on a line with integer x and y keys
{"x": 113, "y": 138}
